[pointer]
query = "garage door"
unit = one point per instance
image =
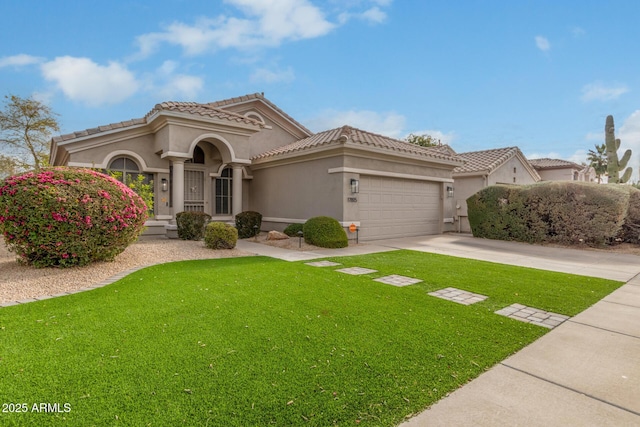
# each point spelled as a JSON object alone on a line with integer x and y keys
{"x": 393, "y": 207}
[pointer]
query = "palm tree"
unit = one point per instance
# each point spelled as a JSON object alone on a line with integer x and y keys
{"x": 598, "y": 160}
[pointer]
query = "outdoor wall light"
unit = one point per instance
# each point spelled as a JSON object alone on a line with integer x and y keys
{"x": 449, "y": 191}
{"x": 165, "y": 184}
{"x": 355, "y": 185}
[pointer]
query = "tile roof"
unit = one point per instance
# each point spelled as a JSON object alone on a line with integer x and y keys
{"x": 205, "y": 110}
{"x": 547, "y": 163}
{"x": 485, "y": 160}
{"x": 99, "y": 129}
{"x": 258, "y": 96}
{"x": 351, "y": 135}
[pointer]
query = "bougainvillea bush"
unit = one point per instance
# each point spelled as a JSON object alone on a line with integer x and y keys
{"x": 61, "y": 217}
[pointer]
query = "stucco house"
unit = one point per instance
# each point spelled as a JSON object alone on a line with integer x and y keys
{"x": 488, "y": 167}
{"x": 563, "y": 170}
{"x": 245, "y": 153}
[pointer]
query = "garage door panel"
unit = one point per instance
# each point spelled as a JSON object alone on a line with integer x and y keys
{"x": 391, "y": 207}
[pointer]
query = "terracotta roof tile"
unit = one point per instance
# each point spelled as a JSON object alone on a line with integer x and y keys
{"x": 485, "y": 160}
{"x": 87, "y": 132}
{"x": 204, "y": 110}
{"x": 547, "y": 163}
{"x": 347, "y": 134}
{"x": 257, "y": 96}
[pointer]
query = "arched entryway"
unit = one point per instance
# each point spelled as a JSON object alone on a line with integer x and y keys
{"x": 211, "y": 179}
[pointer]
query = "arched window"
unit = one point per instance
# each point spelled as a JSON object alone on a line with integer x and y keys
{"x": 198, "y": 156}
{"x": 223, "y": 192}
{"x": 126, "y": 170}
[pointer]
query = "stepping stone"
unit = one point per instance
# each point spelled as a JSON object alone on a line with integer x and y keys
{"x": 322, "y": 263}
{"x": 533, "y": 315}
{"x": 356, "y": 270}
{"x": 458, "y": 295}
{"x": 397, "y": 280}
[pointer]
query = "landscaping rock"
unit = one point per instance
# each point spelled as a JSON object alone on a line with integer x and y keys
{"x": 276, "y": 235}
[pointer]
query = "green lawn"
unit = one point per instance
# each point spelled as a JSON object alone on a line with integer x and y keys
{"x": 258, "y": 341}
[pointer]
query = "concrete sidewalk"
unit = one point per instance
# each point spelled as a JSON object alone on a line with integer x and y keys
{"x": 585, "y": 372}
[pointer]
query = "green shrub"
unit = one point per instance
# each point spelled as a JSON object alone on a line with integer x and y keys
{"x": 246, "y": 223}
{"x": 325, "y": 232}
{"x": 557, "y": 212}
{"x": 219, "y": 235}
{"x": 61, "y": 217}
{"x": 191, "y": 225}
{"x": 292, "y": 229}
{"x": 631, "y": 228}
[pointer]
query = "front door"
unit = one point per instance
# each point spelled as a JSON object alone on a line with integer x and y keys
{"x": 194, "y": 190}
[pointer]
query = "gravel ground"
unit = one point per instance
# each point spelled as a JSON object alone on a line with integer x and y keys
{"x": 18, "y": 282}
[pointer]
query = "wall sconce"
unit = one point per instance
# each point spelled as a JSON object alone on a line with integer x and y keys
{"x": 355, "y": 185}
{"x": 165, "y": 184}
{"x": 449, "y": 191}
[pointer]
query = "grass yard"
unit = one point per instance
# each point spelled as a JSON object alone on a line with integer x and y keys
{"x": 257, "y": 341}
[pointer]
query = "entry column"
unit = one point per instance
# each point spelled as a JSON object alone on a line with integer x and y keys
{"x": 236, "y": 190}
{"x": 177, "y": 187}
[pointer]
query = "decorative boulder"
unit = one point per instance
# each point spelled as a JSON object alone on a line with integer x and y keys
{"x": 276, "y": 235}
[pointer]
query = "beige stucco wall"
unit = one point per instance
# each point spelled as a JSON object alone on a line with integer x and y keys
{"x": 301, "y": 188}
{"x": 298, "y": 190}
{"x": 281, "y": 131}
{"x": 467, "y": 186}
{"x": 556, "y": 174}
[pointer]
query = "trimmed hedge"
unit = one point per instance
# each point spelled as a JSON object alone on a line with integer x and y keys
{"x": 631, "y": 228}
{"x": 191, "y": 225}
{"x": 325, "y": 232}
{"x": 557, "y": 212}
{"x": 63, "y": 217}
{"x": 292, "y": 229}
{"x": 246, "y": 222}
{"x": 219, "y": 235}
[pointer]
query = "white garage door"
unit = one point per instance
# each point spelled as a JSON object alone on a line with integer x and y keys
{"x": 393, "y": 207}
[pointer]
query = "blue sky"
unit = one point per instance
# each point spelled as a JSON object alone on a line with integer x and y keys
{"x": 541, "y": 75}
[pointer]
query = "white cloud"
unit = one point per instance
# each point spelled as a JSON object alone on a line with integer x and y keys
{"x": 266, "y": 23}
{"x": 263, "y": 75}
{"x": 579, "y": 156}
{"x": 629, "y": 134}
{"x": 594, "y": 136}
{"x": 374, "y": 15}
{"x": 174, "y": 86}
{"x": 549, "y": 155}
{"x": 598, "y": 91}
{"x": 542, "y": 43}
{"x": 81, "y": 79}
{"x": 182, "y": 86}
{"x": 19, "y": 60}
{"x": 389, "y": 123}
{"x": 578, "y": 32}
{"x": 445, "y": 138}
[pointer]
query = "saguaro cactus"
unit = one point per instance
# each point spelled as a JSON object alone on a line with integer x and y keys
{"x": 614, "y": 166}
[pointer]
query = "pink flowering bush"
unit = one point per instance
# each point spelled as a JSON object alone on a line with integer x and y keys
{"x": 61, "y": 217}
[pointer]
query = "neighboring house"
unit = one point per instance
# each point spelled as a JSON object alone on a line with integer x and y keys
{"x": 245, "y": 153}
{"x": 488, "y": 167}
{"x": 563, "y": 170}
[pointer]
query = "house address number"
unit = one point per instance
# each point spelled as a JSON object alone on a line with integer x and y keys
{"x": 352, "y": 199}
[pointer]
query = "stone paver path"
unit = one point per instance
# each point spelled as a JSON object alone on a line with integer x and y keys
{"x": 322, "y": 264}
{"x": 397, "y": 280}
{"x": 458, "y": 295}
{"x": 356, "y": 270}
{"x": 533, "y": 315}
